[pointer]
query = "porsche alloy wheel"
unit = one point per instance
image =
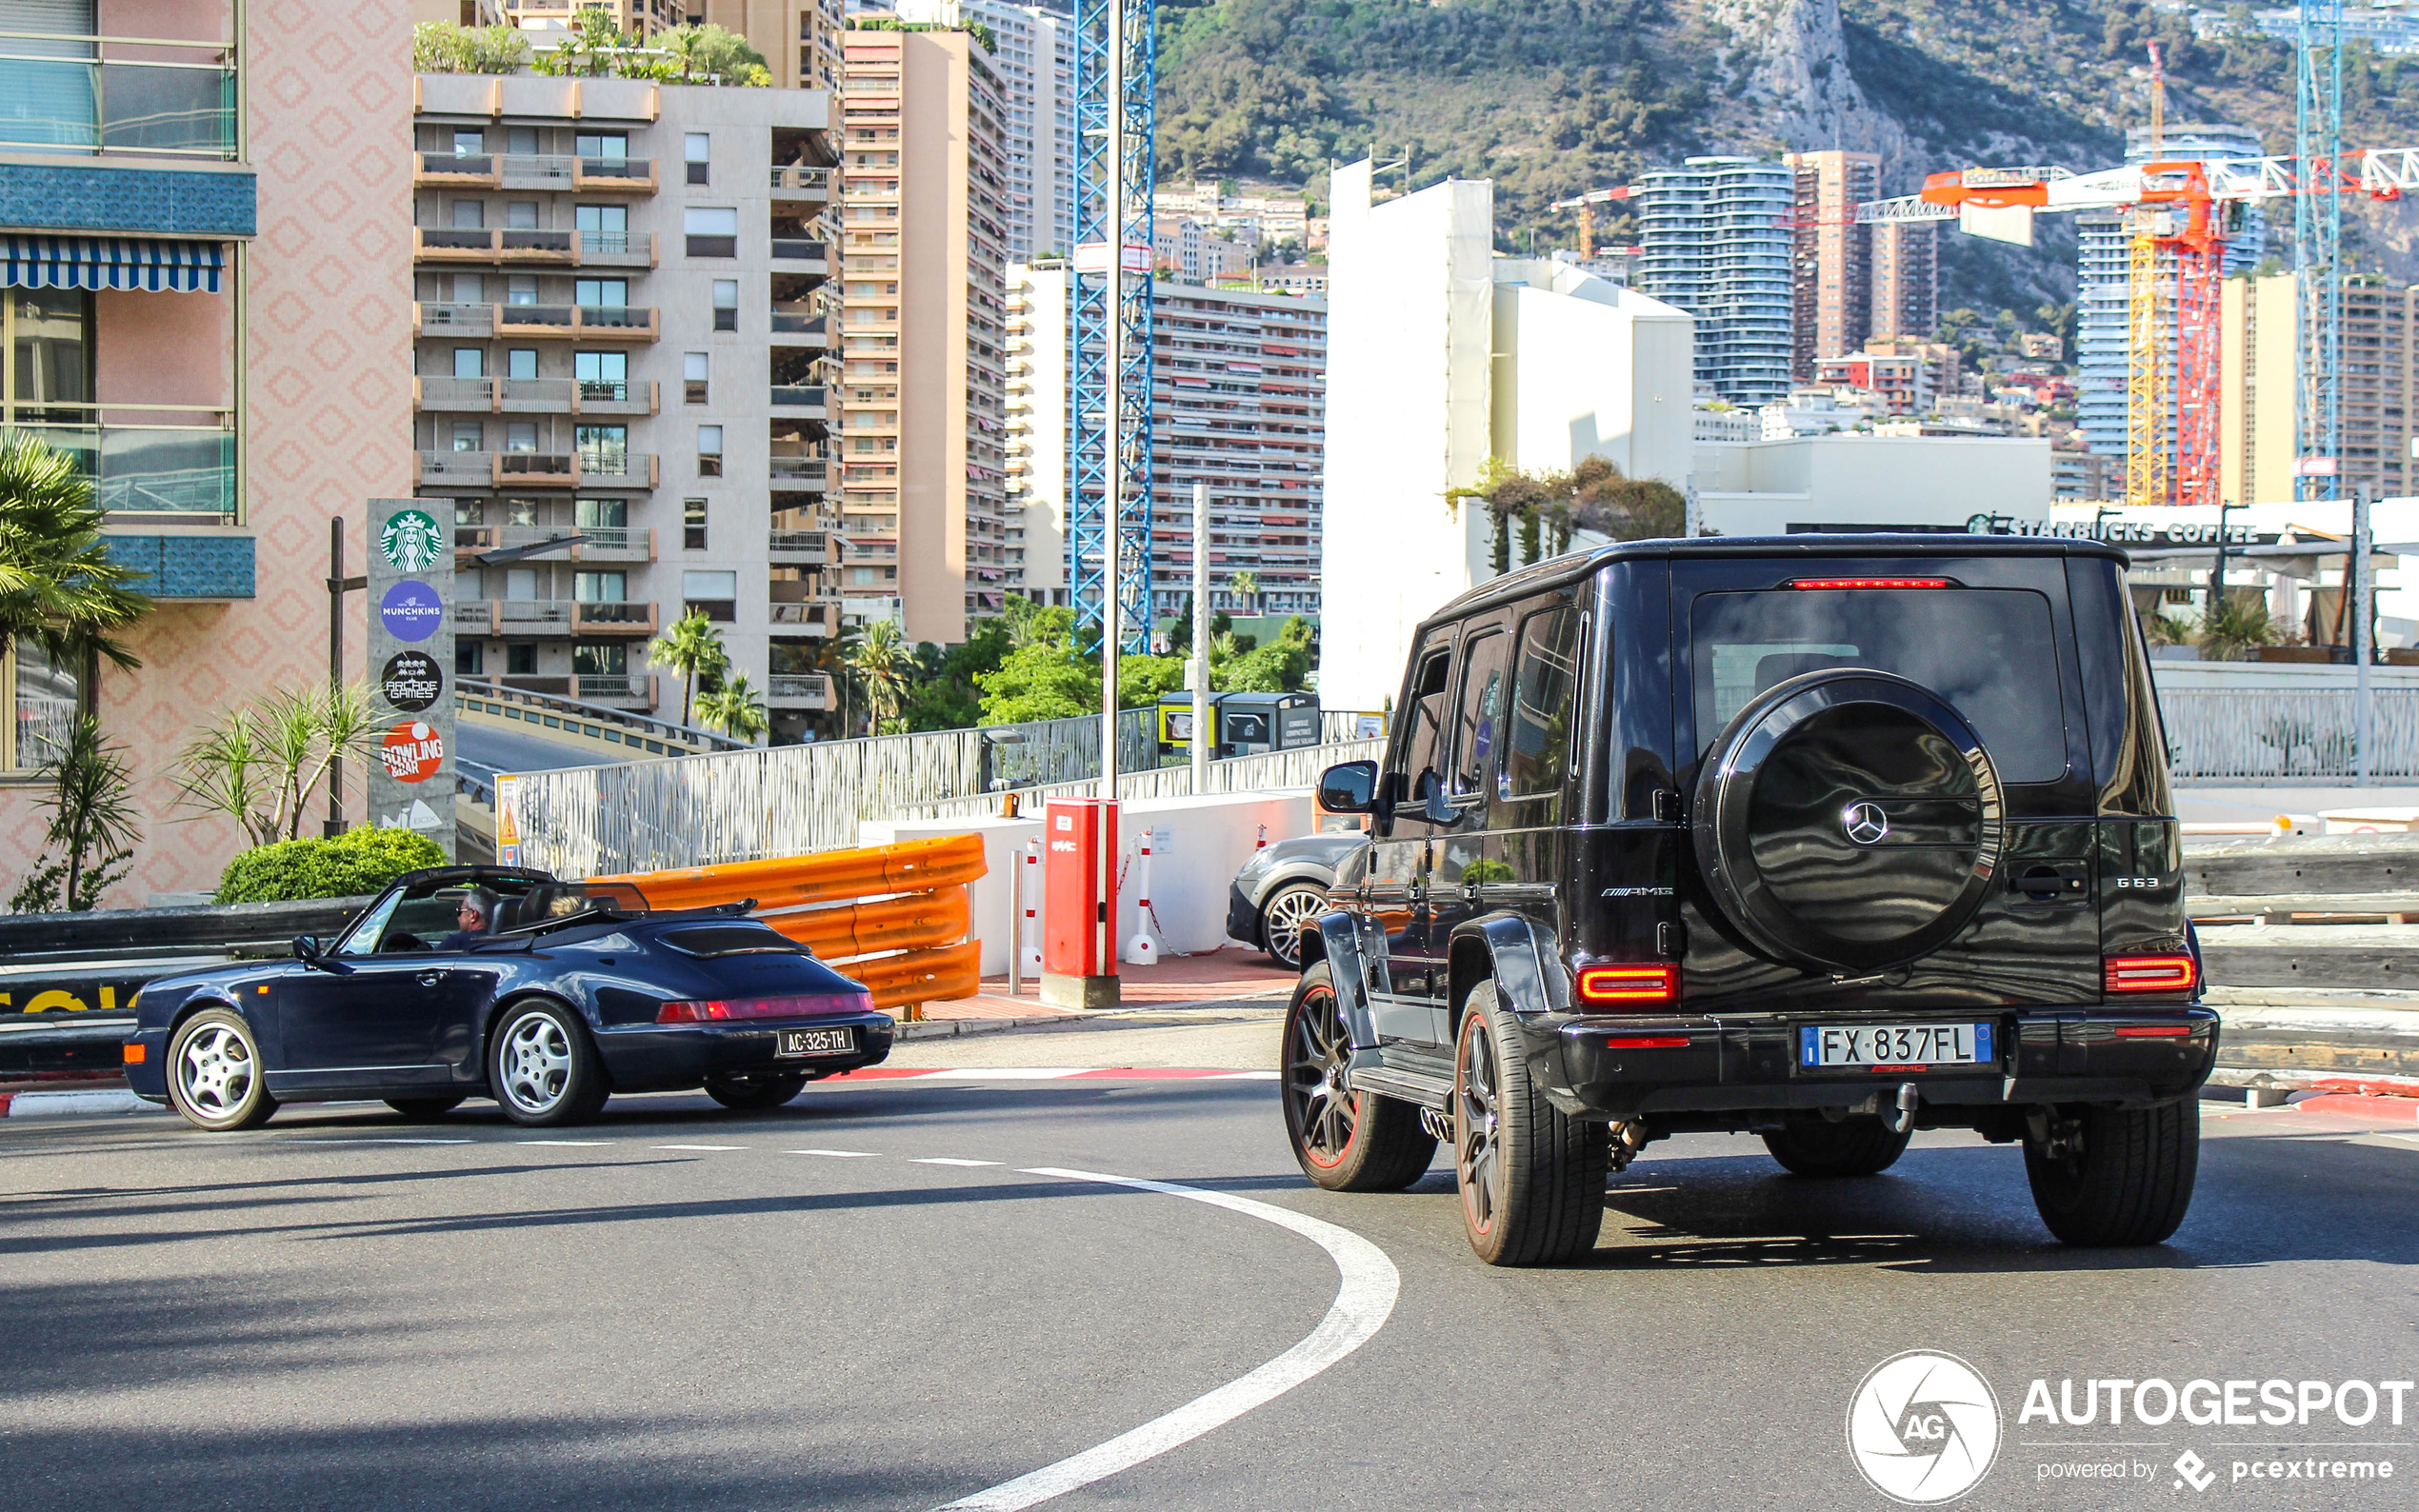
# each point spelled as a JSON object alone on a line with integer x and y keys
{"x": 214, "y": 1073}
{"x": 542, "y": 1068}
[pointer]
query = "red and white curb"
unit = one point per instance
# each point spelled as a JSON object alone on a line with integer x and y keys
{"x": 86, "y": 1104}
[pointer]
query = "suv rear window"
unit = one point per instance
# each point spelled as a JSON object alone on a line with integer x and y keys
{"x": 1989, "y": 651}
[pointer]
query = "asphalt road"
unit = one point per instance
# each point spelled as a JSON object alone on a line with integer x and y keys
{"x": 680, "y": 1307}
{"x": 483, "y": 752}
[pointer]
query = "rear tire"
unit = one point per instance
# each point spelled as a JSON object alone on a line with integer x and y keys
{"x": 215, "y": 1078}
{"x": 419, "y": 1109}
{"x": 1355, "y": 1142}
{"x": 2130, "y": 1181}
{"x": 1532, "y": 1178}
{"x": 543, "y": 1069}
{"x": 754, "y": 1092}
{"x": 1814, "y": 1146}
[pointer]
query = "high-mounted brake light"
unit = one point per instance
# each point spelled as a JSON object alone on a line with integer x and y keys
{"x": 1869, "y": 583}
{"x": 1629, "y": 984}
{"x": 2162, "y": 973}
{"x": 802, "y": 1006}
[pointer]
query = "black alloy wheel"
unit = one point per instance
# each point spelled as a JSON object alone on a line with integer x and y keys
{"x": 1532, "y": 1179}
{"x": 1344, "y": 1141}
{"x": 754, "y": 1090}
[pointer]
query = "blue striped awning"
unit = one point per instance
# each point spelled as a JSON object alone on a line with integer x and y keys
{"x": 111, "y": 262}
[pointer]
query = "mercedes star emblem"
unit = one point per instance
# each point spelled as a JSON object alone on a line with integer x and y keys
{"x": 1865, "y": 823}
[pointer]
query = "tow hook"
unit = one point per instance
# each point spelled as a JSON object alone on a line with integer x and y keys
{"x": 1901, "y": 1119}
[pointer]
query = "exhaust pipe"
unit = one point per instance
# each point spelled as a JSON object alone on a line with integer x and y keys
{"x": 1436, "y": 1125}
{"x": 1902, "y": 1118}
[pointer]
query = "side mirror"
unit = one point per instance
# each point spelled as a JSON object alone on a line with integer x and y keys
{"x": 306, "y": 947}
{"x": 1350, "y": 787}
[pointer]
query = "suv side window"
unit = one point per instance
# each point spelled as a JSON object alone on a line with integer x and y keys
{"x": 1543, "y": 713}
{"x": 1478, "y": 724}
{"x": 1419, "y": 755}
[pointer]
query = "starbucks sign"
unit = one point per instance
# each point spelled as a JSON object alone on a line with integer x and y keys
{"x": 410, "y": 540}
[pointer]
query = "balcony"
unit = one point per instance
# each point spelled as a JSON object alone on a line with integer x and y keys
{"x": 798, "y": 690}
{"x": 531, "y": 396}
{"x": 800, "y": 548}
{"x": 169, "y": 473}
{"x": 627, "y": 690}
{"x": 798, "y": 328}
{"x": 554, "y": 470}
{"x": 72, "y": 92}
{"x": 534, "y": 171}
{"x": 452, "y": 320}
{"x": 812, "y": 184}
{"x": 604, "y": 542}
{"x": 805, "y": 619}
{"x": 597, "y": 616}
{"x": 491, "y": 618}
{"x": 803, "y": 256}
{"x": 798, "y": 400}
{"x": 577, "y": 322}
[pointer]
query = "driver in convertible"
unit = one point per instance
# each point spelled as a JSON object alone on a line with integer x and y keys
{"x": 476, "y": 915}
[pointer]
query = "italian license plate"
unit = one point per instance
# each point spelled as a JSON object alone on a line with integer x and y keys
{"x": 1893, "y": 1046}
{"x": 816, "y": 1041}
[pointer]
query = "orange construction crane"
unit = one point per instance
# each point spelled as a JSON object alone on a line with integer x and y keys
{"x": 1586, "y": 204}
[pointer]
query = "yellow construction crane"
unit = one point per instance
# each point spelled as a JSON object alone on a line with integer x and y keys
{"x": 1586, "y": 204}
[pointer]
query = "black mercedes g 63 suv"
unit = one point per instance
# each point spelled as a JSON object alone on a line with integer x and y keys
{"x": 1825, "y": 837}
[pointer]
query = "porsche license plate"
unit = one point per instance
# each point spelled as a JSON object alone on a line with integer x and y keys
{"x": 1892, "y": 1047}
{"x": 817, "y": 1041}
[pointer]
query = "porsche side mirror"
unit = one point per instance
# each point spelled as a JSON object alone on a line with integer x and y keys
{"x": 1350, "y": 787}
{"x": 306, "y": 947}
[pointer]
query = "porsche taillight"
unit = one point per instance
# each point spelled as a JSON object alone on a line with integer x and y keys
{"x": 796, "y": 1005}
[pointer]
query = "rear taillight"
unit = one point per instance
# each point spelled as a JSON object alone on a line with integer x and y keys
{"x": 1869, "y": 583}
{"x": 2154, "y": 1031}
{"x": 1650, "y": 1041}
{"x": 805, "y": 1005}
{"x": 1627, "y": 987}
{"x": 2160, "y": 973}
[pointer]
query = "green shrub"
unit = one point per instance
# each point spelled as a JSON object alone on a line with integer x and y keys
{"x": 356, "y": 861}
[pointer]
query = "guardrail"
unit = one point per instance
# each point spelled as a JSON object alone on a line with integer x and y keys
{"x": 2304, "y": 737}
{"x": 640, "y": 732}
{"x": 893, "y": 917}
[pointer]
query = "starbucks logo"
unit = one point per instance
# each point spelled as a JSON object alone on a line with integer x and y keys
{"x": 410, "y": 540}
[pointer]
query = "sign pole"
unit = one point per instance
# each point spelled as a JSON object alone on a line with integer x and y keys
{"x": 335, "y": 664}
{"x": 411, "y": 587}
{"x": 2362, "y": 606}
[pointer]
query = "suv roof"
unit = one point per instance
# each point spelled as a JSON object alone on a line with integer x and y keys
{"x": 1571, "y": 564}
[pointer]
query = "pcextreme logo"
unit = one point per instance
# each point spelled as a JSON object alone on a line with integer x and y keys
{"x": 1923, "y": 1427}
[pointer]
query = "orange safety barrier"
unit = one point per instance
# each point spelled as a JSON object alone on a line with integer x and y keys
{"x": 898, "y": 920}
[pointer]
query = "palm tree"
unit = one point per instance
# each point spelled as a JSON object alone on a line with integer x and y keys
{"x": 835, "y": 657}
{"x": 1246, "y": 586}
{"x": 880, "y": 663}
{"x": 734, "y": 709}
{"x": 691, "y": 646}
{"x": 58, "y": 587}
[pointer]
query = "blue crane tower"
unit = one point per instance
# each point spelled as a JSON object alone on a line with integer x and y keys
{"x": 2318, "y": 242}
{"x": 1108, "y": 458}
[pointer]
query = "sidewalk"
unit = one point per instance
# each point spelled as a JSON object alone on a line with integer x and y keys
{"x": 1220, "y": 976}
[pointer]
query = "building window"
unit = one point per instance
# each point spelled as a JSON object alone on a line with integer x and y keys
{"x": 600, "y": 587}
{"x": 726, "y": 304}
{"x": 520, "y": 435}
{"x": 601, "y": 659}
{"x": 520, "y": 363}
{"x": 602, "y": 228}
{"x": 710, "y": 452}
{"x": 468, "y": 657}
{"x": 469, "y": 144}
{"x": 711, "y": 232}
{"x": 602, "y": 374}
{"x": 469, "y": 362}
{"x": 602, "y": 449}
{"x": 520, "y": 288}
{"x": 45, "y": 698}
{"x": 471, "y": 215}
{"x": 520, "y": 661}
{"x": 615, "y": 147}
{"x": 605, "y": 522}
{"x": 693, "y": 525}
{"x": 712, "y": 594}
{"x": 606, "y": 292}
{"x": 520, "y": 215}
{"x": 693, "y": 368}
{"x": 696, "y": 150}
{"x": 469, "y": 436}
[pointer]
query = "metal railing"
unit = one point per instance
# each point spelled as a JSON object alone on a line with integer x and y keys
{"x": 77, "y": 92}
{"x": 670, "y": 737}
{"x": 184, "y": 470}
{"x": 807, "y": 396}
{"x": 2289, "y": 735}
{"x": 797, "y": 249}
{"x": 810, "y": 179}
{"x": 746, "y": 804}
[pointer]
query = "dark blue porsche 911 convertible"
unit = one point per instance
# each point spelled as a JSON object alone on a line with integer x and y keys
{"x": 493, "y": 982}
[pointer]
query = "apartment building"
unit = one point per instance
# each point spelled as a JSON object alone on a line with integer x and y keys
{"x": 1264, "y": 220}
{"x": 1238, "y": 403}
{"x": 1832, "y": 261}
{"x": 1034, "y": 55}
{"x": 621, "y": 333}
{"x": 2257, "y": 431}
{"x": 924, "y": 461}
{"x": 800, "y": 39}
{"x": 1902, "y": 383}
{"x": 1197, "y": 253}
{"x": 1715, "y": 241}
{"x": 1906, "y": 281}
{"x": 206, "y": 307}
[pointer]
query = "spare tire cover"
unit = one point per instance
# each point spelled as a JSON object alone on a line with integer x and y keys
{"x": 1848, "y": 820}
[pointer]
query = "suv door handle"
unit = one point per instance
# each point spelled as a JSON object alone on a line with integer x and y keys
{"x": 429, "y": 979}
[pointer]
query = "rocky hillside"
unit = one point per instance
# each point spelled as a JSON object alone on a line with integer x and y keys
{"x": 1547, "y": 97}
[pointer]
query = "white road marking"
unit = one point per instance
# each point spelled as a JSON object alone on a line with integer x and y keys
{"x": 569, "y": 1144}
{"x": 841, "y": 1155}
{"x": 1363, "y": 1301}
{"x": 383, "y": 1139}
{"x": 701, "y": 1146}
{"x": 944, "y": 1160}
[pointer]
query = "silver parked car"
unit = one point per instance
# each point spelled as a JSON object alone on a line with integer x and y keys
{"x": 1283, "y": 885}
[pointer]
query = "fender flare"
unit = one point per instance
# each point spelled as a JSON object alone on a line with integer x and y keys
{"x": 1354, "y": 950}
{"x": 1519, "y": 955}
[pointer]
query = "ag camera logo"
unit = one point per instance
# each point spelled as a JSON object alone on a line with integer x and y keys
{"x": 1923, "y": 1427}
